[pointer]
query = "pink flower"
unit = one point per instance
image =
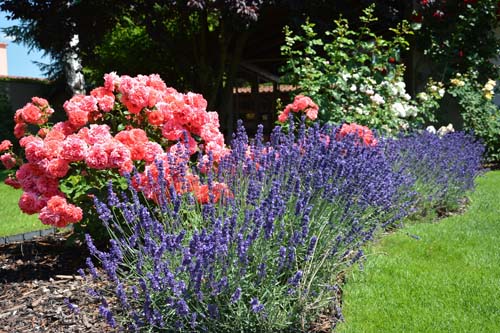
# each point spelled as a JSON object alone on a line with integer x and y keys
{"x": 73, "y": 149}
{"x": 65, "y": 127}
{"x": 29, "y": 203}
{"x": 60, "y": 213}
{"x": 172, "y": 131}
{"x": 111, "y": 81}
{"x": 19, "y": 130}
{"x": 35, "y": 151}
{"x": 155, "y": 117}
{"x": 300, "y": 103}
{"x": 57, "y": 168}
{"x": 105, "y": 98}
{"x": 12, "y": 182}
{"x": 97, "y": 157}
{"x": 40, "y": 102}
{"x": 31, "y": 114}
{"x": 119, "y": 156}
{"x": 151, "y": 151}
{"x": 99, "y": 134}
{"x": 8, "y": 161}
{"x": 362, "y": 132}
{"x": 5, "y": 145}
{"x": 78, "y": 109}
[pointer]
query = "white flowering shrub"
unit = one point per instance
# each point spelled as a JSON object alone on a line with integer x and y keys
{"x": 357, "y": 76}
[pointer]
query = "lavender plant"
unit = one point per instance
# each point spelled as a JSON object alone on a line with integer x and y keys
{"x": 443, "y": 167}
{"x": 263, "y": 258}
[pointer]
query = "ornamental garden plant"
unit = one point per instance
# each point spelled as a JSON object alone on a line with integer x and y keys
{"x": 122, "y": 126}
{"x": 205, "y": 237}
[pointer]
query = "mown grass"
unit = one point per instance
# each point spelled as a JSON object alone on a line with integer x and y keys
{"x": 432, "y": 277}
{"x": 12, "y": 220}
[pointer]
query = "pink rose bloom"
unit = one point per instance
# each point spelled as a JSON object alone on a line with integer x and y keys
{"x": 125, "y": 138}
{"x": 111, "y": 81}
{"x": 23, "y": 142}
{"x": 19, "y": 130}
{"x": 154, "y": 81}
{"x": 218, "y": 151}
{"x": 49, "y": 217}
{"x": 57, "y": 168}
{"x": 52, "y": 148}
{"x": 18, "y": 116}
{"x": 40, "y": 102}
{"x": 362, "y": 132}
{"x": 172, "y": 131}
{"x": 5, "y": 145}
{"x": 65, "y": 127}
{"x": 166, "y": 111}
{"x": 42, "y": 132}
{"x": 8, "y": 161}
{"x": 73, "y": 149}
{"x": 46, "y": 186}
{"x": 35, "y": 151}
{"x": 31, "y": 114}
{"x": 151, "y": 151}
{"x": 105, "y": 98}
{"x": 283, "y": 116}
{"x": 60, "y": 213}
{"x": 12, "y": 182}
{"x": 29, "y": 203}
{"x": 119, "y": 155}
{"x": 55, "y": 135}
{"x": 99, "y": 134}
{"x": 155, "y": 117}
{"x": 97, "y": 157}
{"x": 312, "y": 113}
{"x": 78, "y": 118}
{"x": 138, "y": 136}
{"x": 195, "y": 100}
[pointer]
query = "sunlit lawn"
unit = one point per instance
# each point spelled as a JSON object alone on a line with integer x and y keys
{"x": 444, "y": 279}
{"x": 12, "y": 221}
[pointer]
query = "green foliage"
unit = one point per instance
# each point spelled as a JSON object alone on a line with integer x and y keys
{"x": 355, "y": 75}
{"x": 458, "y": 36}
{"x": 478, "y": 111}
{"x": 432, "y": 277}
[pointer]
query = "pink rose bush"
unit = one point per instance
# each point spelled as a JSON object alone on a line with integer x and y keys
{"x": 130, "y": 122}
{"x": 300, "y": 103}
{"x": 363, "y": 133}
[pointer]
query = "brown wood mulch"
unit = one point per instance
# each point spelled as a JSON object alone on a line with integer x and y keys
{"x": 37, "y": 279}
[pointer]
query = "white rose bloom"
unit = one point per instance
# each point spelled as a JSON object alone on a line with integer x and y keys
{"x": 377, "y": 99}
{"x": 443, "y": 130}
{"x": 431, "y": 129}
{"x": 401, "y": 87}
{"x": 353, "y": 88}
{"x": 433, "y": 88}
{"x": 407, "y": 97}
{"x": 346, "y": 76}
{"x": 399, "y": 110}
{"x": 413, "y": 111}
{"x": 423, "y": 96}
{"x": 369, "y": 91}
{"x": 441, "y": 92}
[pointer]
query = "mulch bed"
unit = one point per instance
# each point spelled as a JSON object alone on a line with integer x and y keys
{"x": 37, "y": 279}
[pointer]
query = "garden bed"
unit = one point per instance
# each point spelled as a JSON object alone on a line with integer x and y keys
{"x": 36, "y": 281}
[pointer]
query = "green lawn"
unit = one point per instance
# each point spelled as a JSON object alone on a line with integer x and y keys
{"x": 448, "y": 280}
{"x": 12, "y": 220}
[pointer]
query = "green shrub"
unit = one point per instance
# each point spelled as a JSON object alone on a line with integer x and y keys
{"x": 357, "y": 76}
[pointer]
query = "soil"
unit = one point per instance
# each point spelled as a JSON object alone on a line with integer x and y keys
{"x": 37, "y": 279}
